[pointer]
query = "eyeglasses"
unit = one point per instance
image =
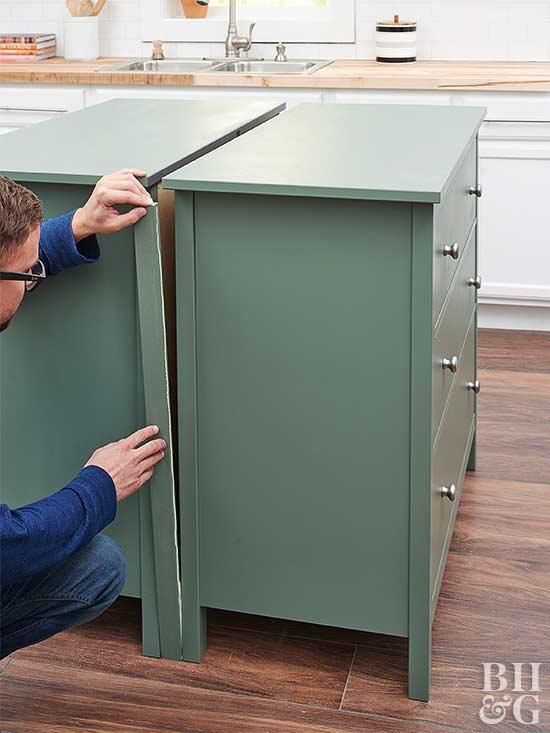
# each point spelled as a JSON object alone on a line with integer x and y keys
{"x": 32, "y": 279}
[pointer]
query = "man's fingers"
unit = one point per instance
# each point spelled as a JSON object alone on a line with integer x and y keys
{"x": 147, "y": 449}
{"x": 138, "y": 184}
{"x": 134, "y": 171}
{"x": 125, "y": 220}
{"x": 151, "y": 462}
{"x": 141, "y": 435}
{"x": 137, "y": 172}
{"x": 128, "y": 183}
{"x": 114, "y": 196}
{"x": 147, "y": 476}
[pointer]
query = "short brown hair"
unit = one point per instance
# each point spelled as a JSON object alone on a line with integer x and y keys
{"x": 20, "y": 212}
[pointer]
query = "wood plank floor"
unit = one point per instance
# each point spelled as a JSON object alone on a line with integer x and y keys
{"x": 270, "y": 676}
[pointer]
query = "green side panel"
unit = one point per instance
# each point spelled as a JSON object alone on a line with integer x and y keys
{"x": 157, "y": 412}
{"x": 303, "y": 399}
{"x": 365, "y": 151}
{"x": 69, "y": 379}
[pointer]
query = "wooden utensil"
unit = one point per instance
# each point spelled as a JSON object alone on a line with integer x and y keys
{"x": 99, "y": 7}
{"x": 73, "y": 6}
{"x": 85, "y": 8}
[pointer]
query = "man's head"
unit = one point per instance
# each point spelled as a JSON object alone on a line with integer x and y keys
{"x": 20, "y": 219}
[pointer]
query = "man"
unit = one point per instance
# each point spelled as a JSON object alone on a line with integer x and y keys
{"x": 56, "y": 570}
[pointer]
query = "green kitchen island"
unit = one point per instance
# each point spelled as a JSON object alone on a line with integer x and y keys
{"x": 326, "y": 279}
{"x": 86, "y": 359}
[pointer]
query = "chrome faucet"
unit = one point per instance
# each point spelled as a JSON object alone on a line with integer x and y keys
{"x": 234, "y": 43}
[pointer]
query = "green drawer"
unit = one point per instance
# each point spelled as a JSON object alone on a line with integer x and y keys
{"x": 453, "y": 221}
{"x": 450, "y": 456}
{"x": 451, "y": 331}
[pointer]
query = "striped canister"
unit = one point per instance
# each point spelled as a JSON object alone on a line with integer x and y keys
{"x": 396, "y": 41}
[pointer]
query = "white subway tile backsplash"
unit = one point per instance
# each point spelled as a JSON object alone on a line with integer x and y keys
{"x": 465, "y": 50}
{"x": 536, "y": 31}
{"x": 119, "y": 47}
{"x": 122, "y": 12}
{"x": 28, "y": 11}
{"x": 365, "y": 49}
{"x": 447, "y": 29}
{"x": 528, "y": 50}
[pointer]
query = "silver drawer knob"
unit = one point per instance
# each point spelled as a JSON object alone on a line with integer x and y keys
{"x": 475, "y": 282}
{"x": 476, "y": 190}
{"x": 474, "y": 386}
{"x": 450, "y": 364}
{"x": 449, "y": 492}
{"x": 451, "y": 250}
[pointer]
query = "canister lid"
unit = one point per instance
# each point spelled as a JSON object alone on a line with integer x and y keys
{"x": 396, "y": 23}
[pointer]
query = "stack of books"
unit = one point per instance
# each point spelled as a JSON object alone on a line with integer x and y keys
{"x": 27, "y": 47}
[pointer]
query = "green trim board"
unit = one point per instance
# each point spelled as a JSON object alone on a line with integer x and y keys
{"x": 157, "y": 412}
{"x": 351, "y": 151}
{"x": 154, "y": 135}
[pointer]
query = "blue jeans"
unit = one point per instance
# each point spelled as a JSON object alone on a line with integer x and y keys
{"x": 68, "y": 594}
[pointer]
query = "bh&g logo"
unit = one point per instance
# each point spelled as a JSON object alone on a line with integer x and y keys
{"x": 523, "y": 704}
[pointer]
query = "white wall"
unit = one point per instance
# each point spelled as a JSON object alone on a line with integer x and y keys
{"x": 448, "y": 29}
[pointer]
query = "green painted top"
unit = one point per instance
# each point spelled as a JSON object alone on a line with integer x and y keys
{"x": 360, "y": 151}
{"x": 157, "y": 136}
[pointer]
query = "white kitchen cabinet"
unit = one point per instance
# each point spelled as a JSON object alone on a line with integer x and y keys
{"x": 384, "y": 96}
{"x": 21, "y": 106}
{"x": 515, "y": 222}
{"x": 509, "y": 107}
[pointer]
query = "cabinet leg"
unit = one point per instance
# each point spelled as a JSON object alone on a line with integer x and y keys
{"x": 472, "y": 459}
{"x": 420, "y": 667}
{"x": 194, "y": 634}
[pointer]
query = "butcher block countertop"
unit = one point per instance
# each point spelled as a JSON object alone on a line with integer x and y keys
{"x": 521, "y": 76}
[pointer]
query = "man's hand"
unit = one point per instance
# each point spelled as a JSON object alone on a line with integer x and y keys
{"x": 100, "y": 214}
{"x": 130, "y": 462}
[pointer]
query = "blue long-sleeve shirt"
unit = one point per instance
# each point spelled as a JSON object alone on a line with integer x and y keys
{"x": 38, "y": 536}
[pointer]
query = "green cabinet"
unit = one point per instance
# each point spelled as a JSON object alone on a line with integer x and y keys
{"x": 86, "y": 360}
{"x": 315, "y": 438}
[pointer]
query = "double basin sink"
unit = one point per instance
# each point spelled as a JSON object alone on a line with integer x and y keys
{"x": 235, "y": 66}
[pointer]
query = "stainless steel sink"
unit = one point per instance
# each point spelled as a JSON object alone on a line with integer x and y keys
{"x": 245, "y": 66}
{"x": 168, "y": 66}
{"x": 200, "y": 66}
